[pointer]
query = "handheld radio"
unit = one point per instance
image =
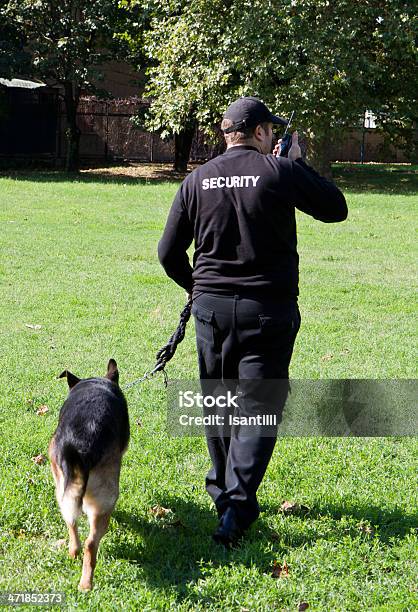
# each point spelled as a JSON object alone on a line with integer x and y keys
{"x": 286, "y": 139}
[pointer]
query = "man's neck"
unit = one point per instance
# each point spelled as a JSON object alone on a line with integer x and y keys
{"x": 245, "y": 143}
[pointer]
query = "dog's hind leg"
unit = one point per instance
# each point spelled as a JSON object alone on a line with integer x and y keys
{"x": 75, "y": 544}
{"x": 98, "y": 527}
{"x": 69, "y": 503}
{"x": 98, "y": 503}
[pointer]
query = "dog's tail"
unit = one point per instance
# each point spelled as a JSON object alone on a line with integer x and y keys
{"x": 74, "y": 468}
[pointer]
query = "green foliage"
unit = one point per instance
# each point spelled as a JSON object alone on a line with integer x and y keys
{"x": 13, "y": 57}
{"x": 131, "y": 28}
{"x": 67, "y": 40}
{"x": 329, "y": 61}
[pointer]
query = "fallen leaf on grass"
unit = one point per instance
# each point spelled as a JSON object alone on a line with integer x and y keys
{"x": 43, "y": 409}
{"x": 289, "y": 507}
{"x": 365, "y": 528}
{"x": 159, "y": 511}
{"x": 138, "y": 422}
{"x": 327, "y": 357}
{"x": 303, "y": 606}
{"x": 280, "y": 571}
{"x": 39, "y": 459}
{"x": 33, "y": 326}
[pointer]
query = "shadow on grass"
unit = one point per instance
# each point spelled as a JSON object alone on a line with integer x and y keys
{"x": 356, "y": 178}
{"x": 386, "y": 524}
{"x": 382, "y": 178}
{"x": 172, "y": 552}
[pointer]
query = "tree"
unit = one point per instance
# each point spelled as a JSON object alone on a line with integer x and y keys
{"x": 13, "y": 58}
{"x": 182, "y": 70}
{"x": 67, "y": 42}
{"x": 328, "y": 61}
{"x": 394, "y": 84}
{"x": 139, "y": 32}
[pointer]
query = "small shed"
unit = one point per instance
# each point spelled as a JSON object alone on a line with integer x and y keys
{"x": 28, "y": 119}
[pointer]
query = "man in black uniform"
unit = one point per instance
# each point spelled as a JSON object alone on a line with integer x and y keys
{"x": 240, "y": 210}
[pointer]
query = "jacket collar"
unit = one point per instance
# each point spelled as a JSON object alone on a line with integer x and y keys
{"x": 240, "y": 148}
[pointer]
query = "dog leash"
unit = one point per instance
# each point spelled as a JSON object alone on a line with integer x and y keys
{"x": 167, "y": 351}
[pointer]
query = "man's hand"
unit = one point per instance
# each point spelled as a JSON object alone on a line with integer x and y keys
{"x": 294, "y": 151}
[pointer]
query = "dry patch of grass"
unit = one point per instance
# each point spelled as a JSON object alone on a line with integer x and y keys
{"x": 139, "y": 171}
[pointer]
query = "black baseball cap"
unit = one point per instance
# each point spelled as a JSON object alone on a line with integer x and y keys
{"x": 248, "y": 112}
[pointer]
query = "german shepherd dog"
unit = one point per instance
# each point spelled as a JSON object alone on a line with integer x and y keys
{"x": 85, "y": 453}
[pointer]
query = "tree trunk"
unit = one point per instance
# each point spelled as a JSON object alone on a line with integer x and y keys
{"x": 182, "y": 147}
{"x": 319, "y": 150}
{"x": 71, "y": 98}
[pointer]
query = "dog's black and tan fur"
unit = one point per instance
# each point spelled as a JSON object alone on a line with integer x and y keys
{"x": 85, "y": 453}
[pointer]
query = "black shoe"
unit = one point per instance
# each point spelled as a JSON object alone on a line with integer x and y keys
{"x": 228, "y": 532}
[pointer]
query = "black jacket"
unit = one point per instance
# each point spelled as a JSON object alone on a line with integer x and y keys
{"x": 240, "y": 210}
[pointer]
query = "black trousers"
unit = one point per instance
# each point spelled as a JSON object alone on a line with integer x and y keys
{"x": 249, "y": 341}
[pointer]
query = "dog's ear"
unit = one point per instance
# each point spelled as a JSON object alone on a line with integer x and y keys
{"x": 71, "y": 379}
{"x": 112, "y": 371}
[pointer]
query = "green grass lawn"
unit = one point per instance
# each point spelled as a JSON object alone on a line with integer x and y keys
{"x": 78, "y": 259}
